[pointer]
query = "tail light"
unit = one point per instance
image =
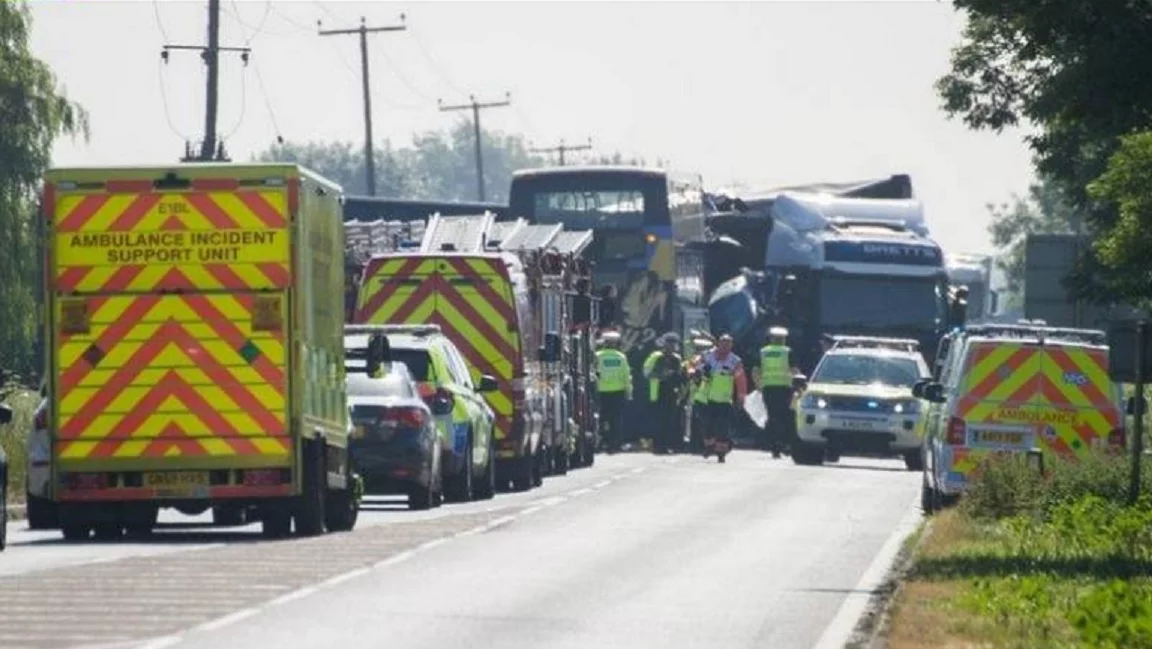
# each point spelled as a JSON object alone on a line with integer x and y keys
{"x": 41, "y": 420}
{"x": 957, "y": 432}
{"x": 402, "y": 418}
{"x": 1118, "y": 439}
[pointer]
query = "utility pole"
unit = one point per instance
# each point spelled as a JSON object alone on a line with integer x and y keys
{"x": 363, "y": 30}
{"x": 475, "y": 106}
{"x": 209, "y": 149}
{"x": 562, "y": 148}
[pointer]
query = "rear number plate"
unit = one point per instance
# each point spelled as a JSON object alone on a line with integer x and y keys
{"x": 998, "y": 437}
{"x": 176, "y": 479}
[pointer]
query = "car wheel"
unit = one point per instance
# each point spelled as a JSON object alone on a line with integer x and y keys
{"x": 3, "y": 517}
{"x": 913, "y": 460}
{"x": 421, "y": 497}
{"x": 808, "y": 454}
{"x": 927, "y": 497}
{"x": 485, "y": 489}
{"x": 460, "y": 488}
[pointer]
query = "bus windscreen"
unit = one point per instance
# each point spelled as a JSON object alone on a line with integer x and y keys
{"x": 590, "y": 209}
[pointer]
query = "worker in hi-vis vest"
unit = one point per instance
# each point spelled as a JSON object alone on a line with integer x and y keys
{"x": 664, "y": 369}
{"x": 727, "y": 387}
{"x": 614, "y": 383}
{"x": 776, "y": 388}
{"x": 698, "y": 394}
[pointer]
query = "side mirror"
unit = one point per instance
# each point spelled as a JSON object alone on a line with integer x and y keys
{"x": 5, "y": 414}
{"x": 918, "y": 388}
{"x": 934, "y": 392}
{"x": 800, "y": 382}
{"x": 487, "y": 384}
{"x": 550, "y": 352}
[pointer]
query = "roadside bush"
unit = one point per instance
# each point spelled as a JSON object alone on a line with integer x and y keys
{"x": 1008, "y": 485}
{"x": 14, "y": 439}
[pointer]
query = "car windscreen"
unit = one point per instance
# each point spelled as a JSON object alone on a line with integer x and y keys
{"x": 391, "y": 384}
{"x": 417, "y": 361}
{"x": 863, "y": 369}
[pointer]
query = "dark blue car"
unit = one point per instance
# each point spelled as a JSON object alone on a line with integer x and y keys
{"x": 395, "y": 445}
{"x": 5, "y": 418}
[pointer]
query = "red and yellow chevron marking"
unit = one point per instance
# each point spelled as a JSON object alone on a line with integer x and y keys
{"x": 1062, "y": 390}
{"x": 171, "y": 375}
{"x": 965, "y": 460}
{"x": 199, "y": 240}
{"x": 457, "y": 294}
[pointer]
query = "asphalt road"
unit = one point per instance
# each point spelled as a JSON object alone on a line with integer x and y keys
{"x": 636, "y": 552}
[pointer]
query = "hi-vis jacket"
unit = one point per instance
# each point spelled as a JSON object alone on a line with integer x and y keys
{"x": 727, "y": 382}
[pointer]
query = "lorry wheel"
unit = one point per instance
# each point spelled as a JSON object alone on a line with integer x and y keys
{"x": 108, "y": 531}
{"x": 141, "y": 522}
{"x": 539, "y": 465}
{"x": 76, "y": 532}
{"x": 343, "y": 507}
{"x": 461, "y": 487}
{"x": 485, "y": 489}
{"x": 41, "y": 513}
{"x": 276, "y": 522}
{"x": 229, "y": 516}
{"x": 523, "y": 475}
{"x": 310, "y": 508}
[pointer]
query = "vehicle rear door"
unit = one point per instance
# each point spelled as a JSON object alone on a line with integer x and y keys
{"x": 999, "y": 398}
{"x": 1080, "y": 400}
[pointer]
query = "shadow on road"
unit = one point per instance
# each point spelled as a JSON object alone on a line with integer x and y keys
{"x": 164, "y": 534}
{"x": 866, "y": 467}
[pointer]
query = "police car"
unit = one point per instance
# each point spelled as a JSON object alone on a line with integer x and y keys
{"x": 859, "y": 401}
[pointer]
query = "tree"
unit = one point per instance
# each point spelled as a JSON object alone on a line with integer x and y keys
{"x": 1044, "y": 211}
{"x": 33, "y": 113}
{"x": 1127, "y": 183}
{"x": 438, "y": 165}
{"x": 1070, "y": 68}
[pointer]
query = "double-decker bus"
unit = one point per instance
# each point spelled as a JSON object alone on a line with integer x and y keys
{"x": 649, "y": 228}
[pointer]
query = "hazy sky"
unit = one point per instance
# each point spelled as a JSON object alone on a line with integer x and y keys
{"x": 765, "y": 93}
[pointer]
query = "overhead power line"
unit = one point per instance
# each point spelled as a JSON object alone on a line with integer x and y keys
{"x": 210, "y": 149}
{"x": 363, "y": 30}
{"x": 475, "y": 107}
{"x": 564, "y": 148}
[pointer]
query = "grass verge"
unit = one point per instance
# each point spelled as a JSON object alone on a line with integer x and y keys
{"x": 14, "y": 439}
{"x": 1059, "y": 562}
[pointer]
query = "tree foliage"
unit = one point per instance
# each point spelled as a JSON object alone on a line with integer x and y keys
{"x": 1045, "y": 210}
{"x": 1126, "y": 184}
{"x": 33, "y": 113}
{"x": 439, "y": 165}
{"x": 1074, "y": 70}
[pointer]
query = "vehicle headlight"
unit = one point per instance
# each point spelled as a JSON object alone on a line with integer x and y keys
{"x": 814, "y": 401}
{"x": 909, "y": 407}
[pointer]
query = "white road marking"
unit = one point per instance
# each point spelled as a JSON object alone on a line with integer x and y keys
{"x": 231, "y": 618}
{"x": 843, "y": 624}
{"x": 394, "y": 559}
{"x": 339, "y": 579}
{"x": 300, "y": 593}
